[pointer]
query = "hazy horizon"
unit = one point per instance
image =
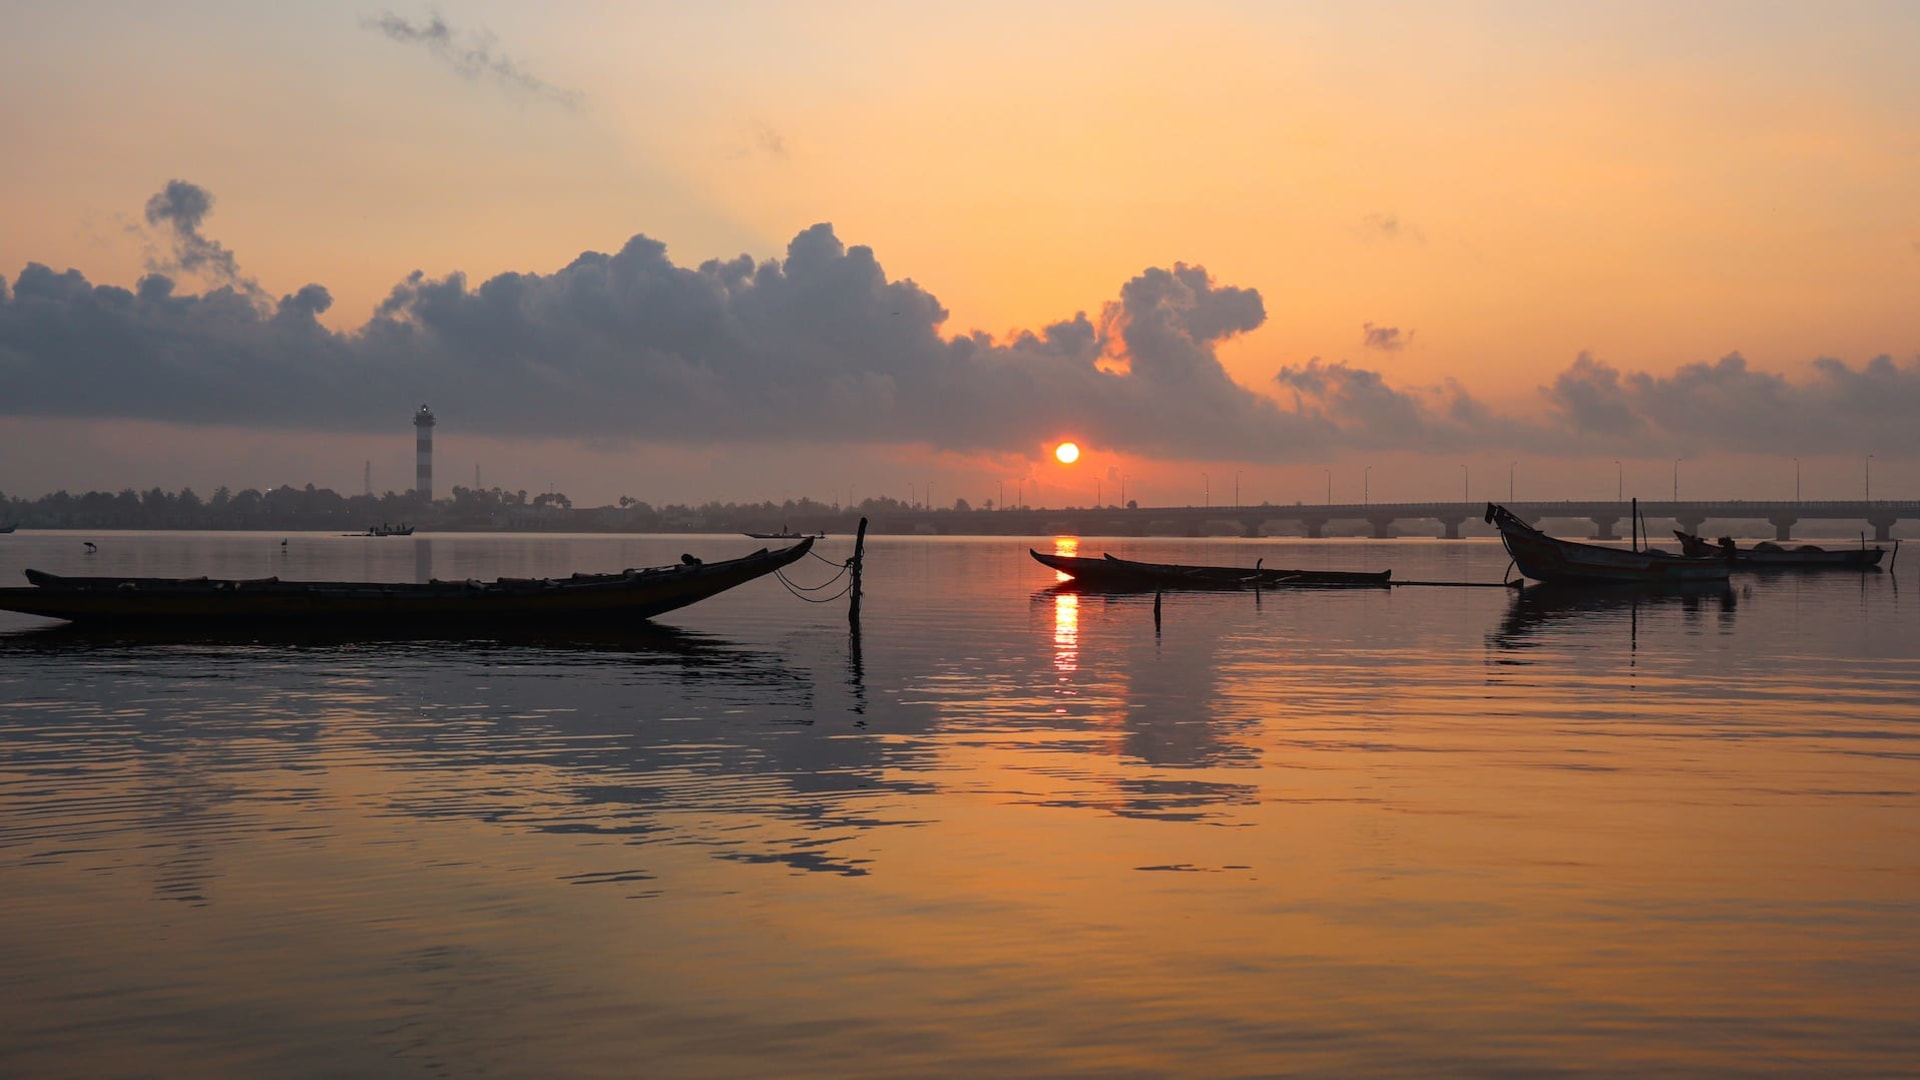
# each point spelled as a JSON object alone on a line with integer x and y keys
{"x": 1411, "y": 253}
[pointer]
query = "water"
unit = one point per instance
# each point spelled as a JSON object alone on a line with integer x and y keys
{"x": 1424, "y": 830}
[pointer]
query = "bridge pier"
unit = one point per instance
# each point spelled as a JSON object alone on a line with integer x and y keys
{"x": 1783, "y": 527}
{"x": 1452, "y": 526}
{"x": 1690, "y": 522}
{"x": 1250, "y": 527}
{"x": 1882, "y": 527}
{"x": 1382, "y": 527}
{"x": 1603, "y": 527}
{"x": 1315, "y": 526}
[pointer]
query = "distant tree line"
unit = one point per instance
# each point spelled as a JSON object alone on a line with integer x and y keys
{"x": 467, "y": 509}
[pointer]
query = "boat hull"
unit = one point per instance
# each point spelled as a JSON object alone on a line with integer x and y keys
{"x": 1775, "y": 557}
{"x": 1125, "y": 574}
{"x": 580, "y": 600}
{"x": 1546, "y": 558}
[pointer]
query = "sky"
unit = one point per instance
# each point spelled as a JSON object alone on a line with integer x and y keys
{"x": 1238, "y": 252}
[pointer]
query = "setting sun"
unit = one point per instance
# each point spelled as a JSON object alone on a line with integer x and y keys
{"x": 1067, "y": 453}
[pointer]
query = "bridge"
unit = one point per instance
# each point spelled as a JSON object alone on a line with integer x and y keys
{"x": 1607, "y": 517}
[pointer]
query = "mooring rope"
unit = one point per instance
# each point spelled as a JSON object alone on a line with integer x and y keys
{"x": 801, "y": 591}
{"x": 813, "y": 588}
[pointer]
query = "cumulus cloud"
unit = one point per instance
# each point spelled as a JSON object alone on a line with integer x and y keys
{"x": 821, "y": 345}
{"x": 471, "y": 55}
{"x": 1384, "y": 338}
{"x": 1360, "y": 410}
{"x": 179, "y": 208}
{"x": 1728, "y": 405}
{"x": 1591, "y": 398}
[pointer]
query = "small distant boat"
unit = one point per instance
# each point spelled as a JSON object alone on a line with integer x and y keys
{"x": 383, "y": 529}
{"x": 786, "y": 534}
{"x": 1108, "y": 572}
{"x": 578, "y": 601}
{"x": 1545, "y": 558}
{"x": 1767, "y": 555}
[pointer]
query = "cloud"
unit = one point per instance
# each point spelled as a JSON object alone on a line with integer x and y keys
{"x": 769, "y": 141}
{"x": 471, "y": 56}
{"x": 1360, "y": 410}
{"x": 822, "y": 346}
{"x": 1591, "y": 398}
{"x": 1384, "y": 338}
{"x": 1389, "y": 227}
{"x": 179, "y": 208}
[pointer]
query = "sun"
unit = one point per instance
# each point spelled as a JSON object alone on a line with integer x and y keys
{"x": 1067, "y": 453}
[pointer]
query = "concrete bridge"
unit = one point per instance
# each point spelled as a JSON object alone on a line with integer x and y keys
{"x": 1609, "y": 517}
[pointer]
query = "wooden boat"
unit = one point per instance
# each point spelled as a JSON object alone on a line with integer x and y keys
{"x": 1767, "y": 555}
{"x": 1545, "y": 558}
{"x": 785, "y": 534}
{"x": 1108, "y": 572}
{"x": 579, "y": 600}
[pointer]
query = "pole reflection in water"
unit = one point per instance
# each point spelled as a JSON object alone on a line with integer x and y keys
{"x": 856, "y": 671}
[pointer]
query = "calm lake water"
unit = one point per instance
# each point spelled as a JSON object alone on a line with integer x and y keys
{"x": 1371, "y": 832}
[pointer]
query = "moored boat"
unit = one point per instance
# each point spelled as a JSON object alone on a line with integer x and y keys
{"x": 1108, "y": 572}
{"x": 1546, "y": 558}
{"x": 578, "y": 600}
{"x": 785, "y": 534}
{"x": 1767, "y": 555}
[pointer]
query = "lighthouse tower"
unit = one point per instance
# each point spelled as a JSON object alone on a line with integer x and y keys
{"x": 423, "y": 454}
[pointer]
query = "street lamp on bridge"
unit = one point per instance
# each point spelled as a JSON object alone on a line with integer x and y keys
{"x": 1869, "y": 477}
{"x": 1510, "y": 466}
{"x": 1796, "y": 479}
{"x": 1329, "y": 487}
{"x": 1206, "y": 491}
{"x": 1676, "y": 478}
{"x": 1466, "y": 484}
{"x": 1619, "y": 481}
{"x": 1366, "y": 479}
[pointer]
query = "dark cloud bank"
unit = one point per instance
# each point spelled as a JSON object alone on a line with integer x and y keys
{"x": 822, "y": 346}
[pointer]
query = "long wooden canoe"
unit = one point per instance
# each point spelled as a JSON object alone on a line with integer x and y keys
{"x": 578, "y": 600}
{"x": 1108, "y": 572}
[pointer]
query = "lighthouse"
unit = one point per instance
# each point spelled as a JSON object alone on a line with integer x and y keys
{"x": 423, "y": 454}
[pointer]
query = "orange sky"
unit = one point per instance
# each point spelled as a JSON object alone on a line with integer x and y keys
{"x": 1506, "y": 184}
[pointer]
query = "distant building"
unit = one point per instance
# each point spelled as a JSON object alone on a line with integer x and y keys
{"x": 423, "y": 454}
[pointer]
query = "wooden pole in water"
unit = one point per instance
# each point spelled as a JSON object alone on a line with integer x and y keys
{"x": 859, "y": 551}
{"x": 1156, "y": 611}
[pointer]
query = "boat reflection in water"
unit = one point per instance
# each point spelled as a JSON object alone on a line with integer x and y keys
{"x": 1168, "y": 745}
{"x": 1540, "y": 610}
{"x": 479, "y": 727}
